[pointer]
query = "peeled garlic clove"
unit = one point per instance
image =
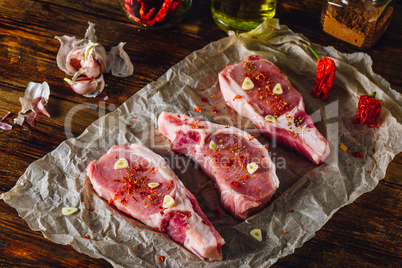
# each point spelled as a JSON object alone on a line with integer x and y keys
{"x": 121, "y": 164}
{"x": 168, "y": 201}
{"x": 247, "y": 84}
{"x": 100, "y": 86}
{"x": 252, "y": 167}
{"x": 153, "y": 185}
{"x": 82, "y": 85}
{"x": 270, "y": 118}
{"x": 256, "y": 233}
{"x": 277, "y": 89}
{"x": 69, "y": 211}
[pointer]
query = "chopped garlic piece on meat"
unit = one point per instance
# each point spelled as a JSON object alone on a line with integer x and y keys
{"x": 270, "y": 118}
{"x": 277, "y": 89}
{"x": 69, "y": 211}
{"x": 252, "y": 167}
{"x": 212, "y": 145}
{"x": 168, "y": 201}
{"x": 256, "y": 233}
{"x": 247, "y": 84}
{"x": 153, "y": 185}
{"x": 121, "y": 164}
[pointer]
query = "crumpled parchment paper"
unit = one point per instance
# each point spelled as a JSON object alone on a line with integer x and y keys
{"x": 308, "y": 195}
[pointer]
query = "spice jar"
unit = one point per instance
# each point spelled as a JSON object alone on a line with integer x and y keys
{"x": 155, "y": 14}
{"x": 357, "y": 22}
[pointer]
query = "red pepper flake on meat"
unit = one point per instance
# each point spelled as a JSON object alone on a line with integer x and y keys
{"x": 198, "y": 109}
{"x": 86, "y": 236}
{"x": 201, "y": 90}
{"x": 234, "y": 183}
{"x": 237, "y": 97}
{"x": 368, "y": 111}
{"x": 204, "y": 99}
{"x": 161, "y": 258}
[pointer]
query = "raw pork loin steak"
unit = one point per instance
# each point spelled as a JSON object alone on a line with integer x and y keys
{"x": 139, "y": 183}
{"x": 238, "y": 163}
{"x": 258, "y": 90}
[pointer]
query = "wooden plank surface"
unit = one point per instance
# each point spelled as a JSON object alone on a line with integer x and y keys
{"x": 366, "y": 233}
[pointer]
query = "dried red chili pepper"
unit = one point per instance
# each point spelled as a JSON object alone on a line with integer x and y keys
{"x": 147, "y": 10}
{"x": 368, "y": 110}
{"x": 325, "y": 75}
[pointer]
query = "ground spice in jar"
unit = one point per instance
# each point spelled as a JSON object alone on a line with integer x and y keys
{"x": 357, "y": 22}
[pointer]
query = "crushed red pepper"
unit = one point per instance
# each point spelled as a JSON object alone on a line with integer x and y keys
{"x": 161, "y": 258}
{"x": 357, "y": 154}
{"x": 136, "y": 181}
{"x": 264, "y": 85}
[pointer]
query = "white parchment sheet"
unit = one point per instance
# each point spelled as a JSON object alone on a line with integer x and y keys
{"x": 308, "y": 195}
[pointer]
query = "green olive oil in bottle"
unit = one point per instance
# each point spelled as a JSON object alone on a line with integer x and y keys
{"x": 241, "y": 15}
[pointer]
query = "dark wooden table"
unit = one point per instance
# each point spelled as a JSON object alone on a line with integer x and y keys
{"x": 366, "y": 233}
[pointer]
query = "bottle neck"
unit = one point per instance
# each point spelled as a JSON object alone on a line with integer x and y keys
{"x": 362, "y": 1}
